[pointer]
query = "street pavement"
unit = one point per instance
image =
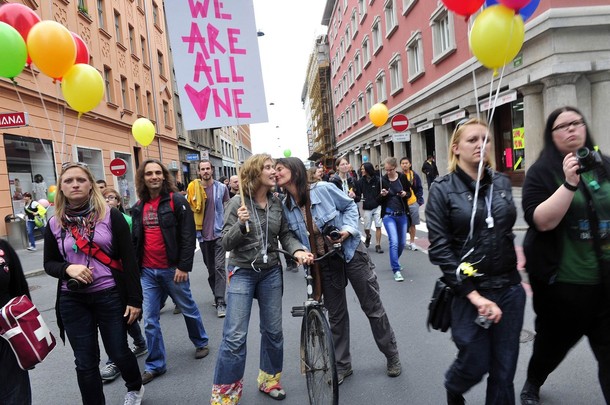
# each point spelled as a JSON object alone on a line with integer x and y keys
{"x": 425, "y": 354}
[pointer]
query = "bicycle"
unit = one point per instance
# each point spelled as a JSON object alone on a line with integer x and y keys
{"x": 317, "y": 350}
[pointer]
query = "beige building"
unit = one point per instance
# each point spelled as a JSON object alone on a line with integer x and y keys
{"x": 128, "y": 45}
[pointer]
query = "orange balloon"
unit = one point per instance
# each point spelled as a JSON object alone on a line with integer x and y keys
{"x": 51, "y": 48}
{"x": 52, "y": 188}
{"x": 379, "y": 114}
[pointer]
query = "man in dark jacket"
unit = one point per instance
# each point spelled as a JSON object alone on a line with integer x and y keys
{"x": 367, "y": 191}
{"x": 164, "y": 238}
{"x": 430, "y": 170}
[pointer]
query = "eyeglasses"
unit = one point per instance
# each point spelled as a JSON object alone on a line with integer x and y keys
{"x": 111, "y": 198}
{"x": 566, "y": 126}
{"x": 67, "y": 165}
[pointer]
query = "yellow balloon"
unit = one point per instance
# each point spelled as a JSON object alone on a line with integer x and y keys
{"x": 378, "y": 114}
{"x": 82, "y": 87}
{"x": 52, "y": 48}
{"x": 497, "y": 36}
{"x": 143, "y": 131}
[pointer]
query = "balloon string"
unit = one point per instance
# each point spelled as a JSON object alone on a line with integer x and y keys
{"x": 35, "y": 127}
{"x": 61, "y": 112}
{"x": 44, "y": 107}
{"x": 74, "y": 137}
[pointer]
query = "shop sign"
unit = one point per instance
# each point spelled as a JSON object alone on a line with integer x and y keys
{"x": 425, "y": 127}
{"x": 503, "y": 98}
{"x": 13, "y": 120}
{"x": 519, "y": 138}
{"x": 402, "y": 137}
{"x": 454, "y": 116}
{"x": 192, "y": 157}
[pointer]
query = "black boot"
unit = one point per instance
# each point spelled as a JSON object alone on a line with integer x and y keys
{"x": 454, "y": 399}
{"x": 530, "y": 394}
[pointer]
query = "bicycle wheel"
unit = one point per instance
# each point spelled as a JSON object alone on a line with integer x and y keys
{"x": 318, "y": 356}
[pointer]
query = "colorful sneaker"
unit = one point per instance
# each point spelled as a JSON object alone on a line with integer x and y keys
{"x": 398, "y": 276}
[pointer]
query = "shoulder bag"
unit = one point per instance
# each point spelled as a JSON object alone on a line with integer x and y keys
{"x": 439, "y": 309}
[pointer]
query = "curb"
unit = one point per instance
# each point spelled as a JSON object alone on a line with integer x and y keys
{"x": 34, "y": 273}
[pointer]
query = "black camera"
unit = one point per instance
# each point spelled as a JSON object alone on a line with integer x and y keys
{"x": 332, "y": 232}
{"x": 588, "y": 159}
{"x": 74, "y": 285}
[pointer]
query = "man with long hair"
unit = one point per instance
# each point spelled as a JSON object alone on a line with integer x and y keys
{"x": 164, "y": 238}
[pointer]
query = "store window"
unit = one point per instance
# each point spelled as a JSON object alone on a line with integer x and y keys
{"x": 31, "y": 168}
{"x": 126, "y": 183}
{"x": 94, "y": 160}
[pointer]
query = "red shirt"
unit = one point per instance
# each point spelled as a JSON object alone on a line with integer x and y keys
{"x": 154, "y": 255}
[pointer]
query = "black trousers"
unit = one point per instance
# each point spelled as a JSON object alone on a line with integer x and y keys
{"x": 564, "y": 314}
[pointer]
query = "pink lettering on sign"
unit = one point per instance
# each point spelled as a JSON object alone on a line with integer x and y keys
{"x": 216, "y": 53}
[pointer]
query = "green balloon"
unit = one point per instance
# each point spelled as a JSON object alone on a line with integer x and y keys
{"x": 51, "y": 196}
{"x": 287, "y": 153}
{"x": 13, "y": 52}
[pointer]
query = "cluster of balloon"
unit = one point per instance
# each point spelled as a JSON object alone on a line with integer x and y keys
{"x": 51, "y": 193}
{"x": 143, "y": 131}
{"x": 287, "y": 153}
{"x": 378, "y": 114}
{"x": 56, "y": 52}
{"x": 498, "y": 32}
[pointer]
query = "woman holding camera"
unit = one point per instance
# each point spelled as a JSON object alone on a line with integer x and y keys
{"x": 566, "y": 202}
{"x": 477, "y": 257}
{"x": 88, "y": 249}
{"x": 335, "y": 222}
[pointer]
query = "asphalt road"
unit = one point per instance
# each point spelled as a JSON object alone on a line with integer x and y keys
{"x": 425, "y": 355}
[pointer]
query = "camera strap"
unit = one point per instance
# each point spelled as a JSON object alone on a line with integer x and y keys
{"x": 315, "y": 267}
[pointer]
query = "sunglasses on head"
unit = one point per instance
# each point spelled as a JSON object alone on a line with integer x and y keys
{"x": 67, "y": 165}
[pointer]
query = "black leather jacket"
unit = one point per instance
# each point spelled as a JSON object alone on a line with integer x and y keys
{"x": 448, "y": 214}
{"x": 177, "y": 228}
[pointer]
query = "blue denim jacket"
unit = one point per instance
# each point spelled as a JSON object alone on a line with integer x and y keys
{"x": 219, "y": 212}
{"x": 329, "y": 205}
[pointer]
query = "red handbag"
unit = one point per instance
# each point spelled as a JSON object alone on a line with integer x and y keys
{"x": 22, "y": 326}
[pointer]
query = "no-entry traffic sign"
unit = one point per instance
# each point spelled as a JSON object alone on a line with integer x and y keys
{"x": 400, "y": 123}
{"x": 118, "y": 167}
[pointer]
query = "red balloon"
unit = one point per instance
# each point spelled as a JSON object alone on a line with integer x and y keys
{"x": 20, "y": 17}
{"x": 464, "y": 7}
{"x": 82, "y": 51}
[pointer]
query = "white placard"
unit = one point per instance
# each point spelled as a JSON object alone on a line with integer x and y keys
{"x": 217, "y": 63}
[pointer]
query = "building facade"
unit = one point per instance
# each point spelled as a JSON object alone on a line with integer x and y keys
{"x": 413, "y": 55}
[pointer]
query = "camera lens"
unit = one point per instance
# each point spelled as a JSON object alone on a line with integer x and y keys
{"x": 582, "y": 153}
{"x": 73, "y": 284}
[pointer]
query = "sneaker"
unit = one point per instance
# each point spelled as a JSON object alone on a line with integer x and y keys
{"x": 378, "y": 249}
{"x": 413, "y": 246}
{"x": 32, "y": 248}
{"x": 394, "y": 366}
{"x": 134, "y": 397}
{"x": 148, "y": 376}
{"x": 110, "y": 372}
{"x": 367, "y": 241}
{"x": 201, "y": 352}
{"x": 177, "y": 310}
{"x": 398, "y": 276}
{"x": 139, "y": 350}
{"x": 342, "y": 375}
{"x": 221, "y": 310}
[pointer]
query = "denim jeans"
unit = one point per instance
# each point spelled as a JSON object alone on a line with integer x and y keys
{"x": 30, "y": 226}
{"x": 82, "y": 315}
{"x": 245, "y": 285}
{"x": 135, "y": 332}
{"x": 157, "y": 284}
{"x": 396, "y": 227}
{"x": 481, "y": 351}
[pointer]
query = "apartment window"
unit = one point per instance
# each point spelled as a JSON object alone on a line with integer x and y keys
{"x": 132, "y": 39}
{"x": 366, "y": 52}
{"x": 370, "y": 97}
{"x": 166, "y": 120}
{"x": 342, "y": 49}
{"x": 391, "y": 22}
{"x": 380, "y": 87}
{"x": 144, "y": 50}
{"x": 161, "y": 64}
{"x": 348, "y": 36}
{"x": 149, "y": 104}
{"x": 336, "y": 96}
{"x": 354, "y": 113}
{"x": 395, "y": 74}
{"x": 354, "y": 22}
{"x": 407, "y": 5}
{"x": 443, "y": 34}
{"x": 124, "y": 94}
{"x": 108, "y": 83}
{"x": 361, "y": 105}
{"x": 100, "y": 14}
{"x": 345, "y": 85}
{"x": 350, "y": 75}
{"x": 155, "y": 14}
{"x": 117, "y": 27}
{"x": 348, "y": 121}
{"x": 357, "y": 64}
{"x": 82, "y": 5}
{"x": 94, "y": 160}
{"x": 362, "y": 9}
{"x": 138, "y": 93}
{"x": 338, "y": 125}
{"x": 415, "y": 56}
{"x": 376, "y": 35}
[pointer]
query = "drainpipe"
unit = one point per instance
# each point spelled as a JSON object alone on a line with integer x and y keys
{"x": 152, "y": 77}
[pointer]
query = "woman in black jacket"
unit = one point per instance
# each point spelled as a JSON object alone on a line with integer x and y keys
{"x": 476, "y": 254}
{"x": 566, "y": 202}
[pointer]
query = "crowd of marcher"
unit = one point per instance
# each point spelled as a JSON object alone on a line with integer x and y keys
{"x": 116, "y": 270}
